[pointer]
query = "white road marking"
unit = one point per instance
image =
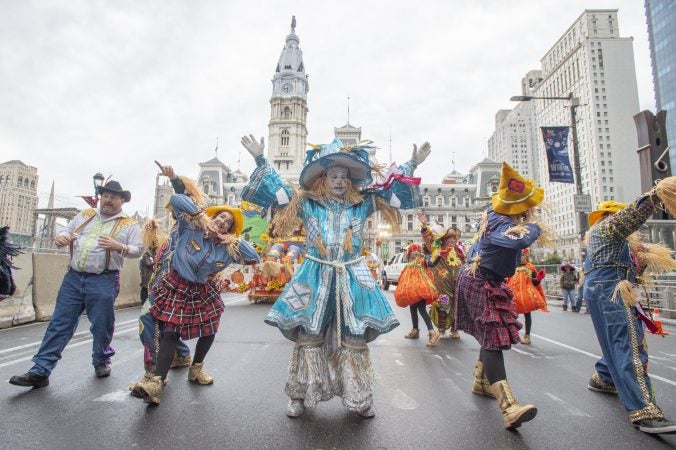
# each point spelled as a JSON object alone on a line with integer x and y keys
{"x": 401, "y": 400}
{"x": 523, "y": 352}
{"x": 441, "y": 359}
{"x": 76, "y": 344}
{"x": 79, "y": 333}
{"x": 399, "y": 363}
{"x": 571, "y": 409}
{"x": 575, "y": 349}
{"x": 114, "y": 397}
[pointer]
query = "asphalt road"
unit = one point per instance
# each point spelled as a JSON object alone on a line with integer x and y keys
{"x": 422, "y": 394}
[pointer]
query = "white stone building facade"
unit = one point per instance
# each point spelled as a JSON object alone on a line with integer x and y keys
{"x": 18, "y": 200}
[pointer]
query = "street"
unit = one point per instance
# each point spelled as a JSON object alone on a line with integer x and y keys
{"x": 422, "y": 395}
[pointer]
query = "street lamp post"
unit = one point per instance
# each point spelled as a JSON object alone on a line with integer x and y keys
{"x": 384, "y": 236}
{"x": 574, "y": 104}
{"x": 98, "y": 181}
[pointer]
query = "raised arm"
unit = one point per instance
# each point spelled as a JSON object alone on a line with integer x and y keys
{"x": 265, "y": 188}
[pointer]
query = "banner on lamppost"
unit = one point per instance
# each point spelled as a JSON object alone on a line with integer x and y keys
{"x": 556, "y": 146}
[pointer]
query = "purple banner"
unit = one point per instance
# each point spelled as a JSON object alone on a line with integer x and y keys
{"x": 558, "y": 163}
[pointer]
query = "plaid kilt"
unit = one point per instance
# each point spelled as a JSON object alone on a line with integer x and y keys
{"x": 486, "y": 311}
{"x": 190, "y": 309}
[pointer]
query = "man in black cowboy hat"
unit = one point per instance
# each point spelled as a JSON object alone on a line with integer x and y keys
{"x": 99, "y": 241}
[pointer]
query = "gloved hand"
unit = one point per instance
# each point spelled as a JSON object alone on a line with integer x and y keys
{"x": 254, "y": 147}
{"x": 420, "y": 154}
{"x": 541, "y": 275}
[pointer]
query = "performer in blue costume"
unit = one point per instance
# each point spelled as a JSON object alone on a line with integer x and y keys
{"x": 332, "y": 307}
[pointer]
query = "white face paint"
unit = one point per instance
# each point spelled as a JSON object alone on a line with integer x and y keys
{"x": 336, "y": 180}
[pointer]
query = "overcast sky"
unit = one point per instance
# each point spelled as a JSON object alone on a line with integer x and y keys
{"x": 109, "y": 86}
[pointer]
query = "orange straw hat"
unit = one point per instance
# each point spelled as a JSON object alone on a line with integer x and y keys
{"x": 610, "y": 206}
{"x": 237, "y": 218}
{"x": 516, "y": 194}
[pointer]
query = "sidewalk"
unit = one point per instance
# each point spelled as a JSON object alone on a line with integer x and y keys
{"x": 559, "y": 303}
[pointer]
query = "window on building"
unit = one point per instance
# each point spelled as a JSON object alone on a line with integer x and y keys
{"x": 426, "y": 200}
{"x": 440, "y": 201}
{"x": 409, "y": 222}
{"x": 285, "y": 137}
{"x": 19, "y": 181}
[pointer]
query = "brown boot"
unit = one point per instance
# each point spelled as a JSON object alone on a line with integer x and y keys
{"x": 413, "y": 334}
{"x": 197, "y": 373}
{"x": 149, "y": 389}
{"x": 481, "y": 385}
{"x": 525, "y": 340}
{"x": 433, "y": 338}
{"x": 180, "y": 361}
{"x": 513, "y": 413}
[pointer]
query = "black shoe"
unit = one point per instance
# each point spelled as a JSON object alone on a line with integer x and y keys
{"x": 102, "y": 370}
{"x": 565, "y": 307}
{"x": 574, "y": 309}
{"x": 656, "y": 426}
{"x": 30, "y": 379}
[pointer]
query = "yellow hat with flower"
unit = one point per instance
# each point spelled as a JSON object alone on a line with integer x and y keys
{"x": 610, "y": 206}
{"x": 516, "y": 194}
{"x": 237, "y": 218}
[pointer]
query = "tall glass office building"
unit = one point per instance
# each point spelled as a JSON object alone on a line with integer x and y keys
{"x": 661, "y": 17}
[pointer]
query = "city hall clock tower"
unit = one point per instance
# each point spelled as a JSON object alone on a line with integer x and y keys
{"x": 288, "y": 110}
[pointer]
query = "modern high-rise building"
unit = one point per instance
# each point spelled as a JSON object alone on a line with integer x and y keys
{"x": 594, "y": 64}
{"x": 661, "y": 16}
{"x": 18, "y": 200}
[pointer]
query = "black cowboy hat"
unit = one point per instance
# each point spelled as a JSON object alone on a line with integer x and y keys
{"x": 114, "y": 187}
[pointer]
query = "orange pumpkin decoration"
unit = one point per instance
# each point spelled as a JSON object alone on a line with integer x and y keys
{"x": 237, "y": 277}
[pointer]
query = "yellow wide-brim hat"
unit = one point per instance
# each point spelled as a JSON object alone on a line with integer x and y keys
{"x": 610, "y": 206}
{"x": 238, "y": 218}
{"x": 516, "y": 193}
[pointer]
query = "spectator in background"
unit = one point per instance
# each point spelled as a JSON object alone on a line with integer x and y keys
{"x": 580, "y": 294}
{"x": 568, "y": 281}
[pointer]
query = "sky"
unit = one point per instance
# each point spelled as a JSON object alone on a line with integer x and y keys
{"x": 92, "y": 86}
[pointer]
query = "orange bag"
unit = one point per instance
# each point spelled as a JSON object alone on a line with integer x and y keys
{"x": 415, "y": 284}
{"x": 527, "y": 297}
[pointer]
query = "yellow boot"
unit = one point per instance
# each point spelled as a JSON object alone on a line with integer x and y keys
{"x": 513, "y": 413}
{"x": 196, "y": 373}
{"x": 149, "y": 388}
{"x": 481, "y": 385}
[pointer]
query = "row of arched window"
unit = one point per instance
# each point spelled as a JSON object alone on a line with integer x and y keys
{"x": 26, "y": 183}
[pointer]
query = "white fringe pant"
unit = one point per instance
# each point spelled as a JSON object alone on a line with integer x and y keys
{"x": 316, "y": 375}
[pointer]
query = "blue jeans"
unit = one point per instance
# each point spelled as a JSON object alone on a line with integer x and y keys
{"x": 569, "y": 296}
{"x": 621, "y": 336}
{"x": 80, "y": 291}
{"x": 147, "y": 329}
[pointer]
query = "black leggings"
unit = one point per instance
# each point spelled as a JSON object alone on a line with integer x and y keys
{"x": 494, "y": 365}
{"x": 420, "y": 308}
{"x": 529, "y": 321}
{"x": 168, "y": 349}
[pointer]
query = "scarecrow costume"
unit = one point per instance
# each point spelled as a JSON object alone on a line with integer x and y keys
{"x": 527, "y": 290}
{"x": 332, "y": 306}
{"x": 485, "y": 305}
{"x": 185, "y": 296}
{"x": 445, "y": 262}
{"x": 617, "y": 262}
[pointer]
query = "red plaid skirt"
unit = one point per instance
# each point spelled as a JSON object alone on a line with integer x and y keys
{"x": 486, "y": 311}
{"x": 190, "y": 309}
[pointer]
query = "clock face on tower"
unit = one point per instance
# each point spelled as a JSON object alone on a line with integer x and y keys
{"x": 287, "y": 88}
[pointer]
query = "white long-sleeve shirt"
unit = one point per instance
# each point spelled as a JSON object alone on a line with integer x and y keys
{"x": 87, "y": 255}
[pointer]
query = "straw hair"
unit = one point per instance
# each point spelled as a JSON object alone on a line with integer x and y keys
{"x": 654, "y": 258}
{"x": 474, "y": 267}
{"x": 347, "y": 242}
{"x": 625, "y": 290}
{"x": 191, "y": 188}
{"x": 152, "y": 235}
{"x": 321, "y": 247}
{"x": 389, "y": 213}
{"x": 666, "y": 193}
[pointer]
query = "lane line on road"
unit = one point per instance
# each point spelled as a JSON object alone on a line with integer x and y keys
{"x": 579, "y": 350}
{"x": 75, "y": 335}
{"x": 523, "y": 352}
{"x": 76, "y": 344}
{"x": 571, "y": 409}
